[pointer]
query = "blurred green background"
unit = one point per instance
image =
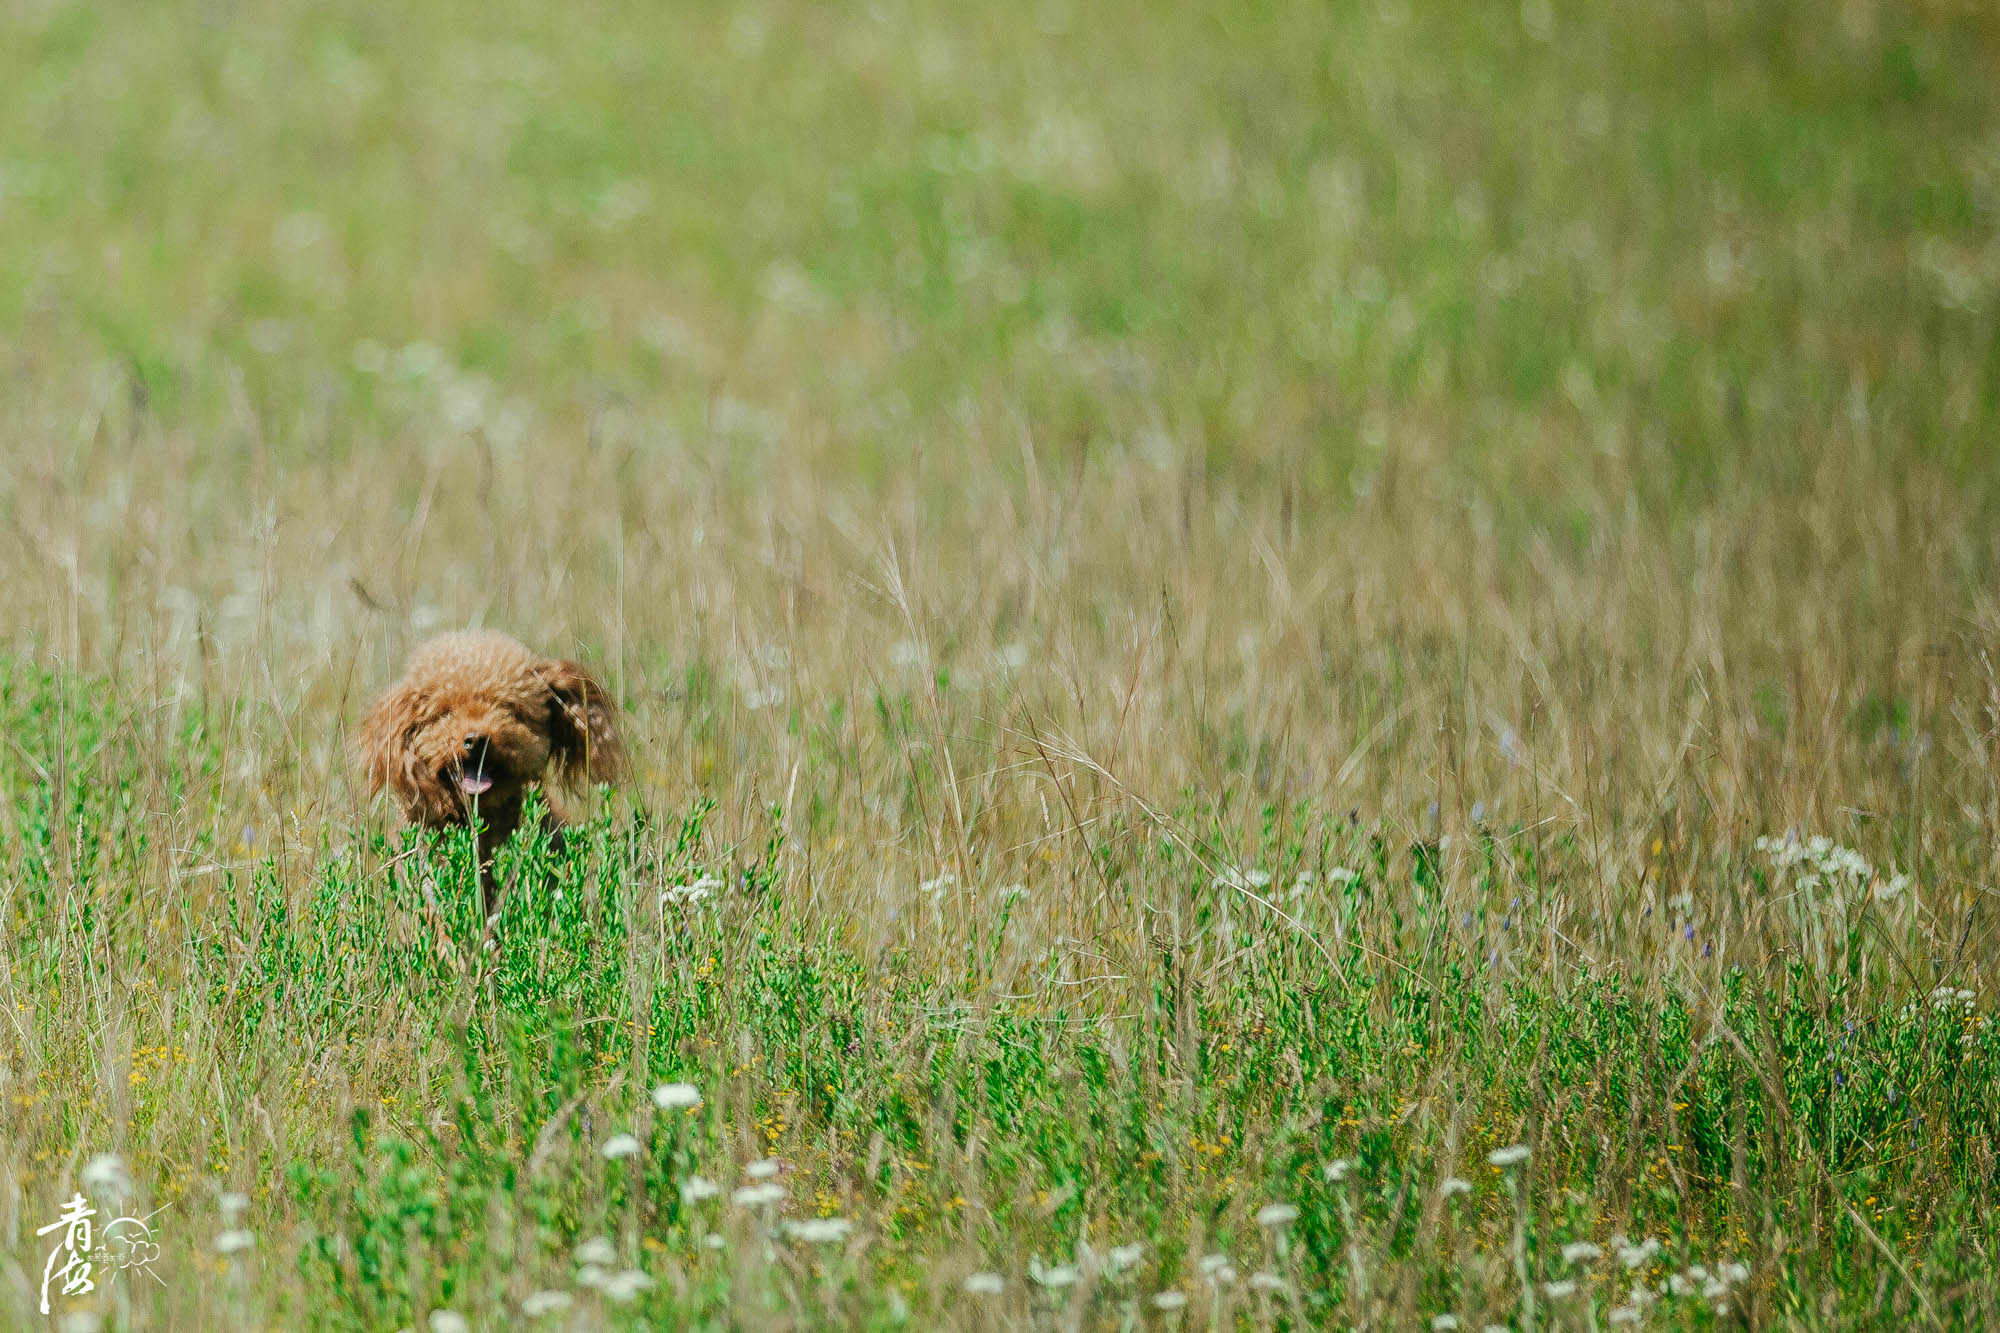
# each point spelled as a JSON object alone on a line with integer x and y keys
{"x": 1694, "y": 238}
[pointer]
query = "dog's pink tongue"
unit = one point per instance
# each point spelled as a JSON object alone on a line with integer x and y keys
{"x": 474, "y": 784}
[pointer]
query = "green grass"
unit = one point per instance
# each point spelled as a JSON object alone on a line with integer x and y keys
{"x": 1211, "y": 607}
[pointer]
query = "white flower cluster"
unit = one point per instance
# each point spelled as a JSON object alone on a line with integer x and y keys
{"x": 1695, "y": 1280}
{"x": 1634, "y": 1253}
{"x": 698, "y": 890}
{"x": 1949, "y": 1002}
{"x": 1253, "y": 880}
{"x": 1820, "y": 862}
{"x": 1944, "y": 997}
{"x": 1113, "y": 1263}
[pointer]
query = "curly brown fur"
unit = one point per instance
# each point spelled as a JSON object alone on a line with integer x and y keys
{"x": 476, "y": 721}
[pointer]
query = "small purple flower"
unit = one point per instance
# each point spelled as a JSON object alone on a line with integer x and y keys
{"x": 1708, "y": 949}
{"x": 1466, "y": 921}
{"x": 1688, "y": 934}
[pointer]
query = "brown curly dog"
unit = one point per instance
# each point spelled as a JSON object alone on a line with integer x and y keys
{"x": 475, "y": 722}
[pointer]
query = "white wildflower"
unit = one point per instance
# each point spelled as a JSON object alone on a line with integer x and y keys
{"x": 1442, "y": 1322}
{"x": 763, "y": 1168}
{"x": 697, "y": 1188}
{"x": 935, "y": 887}
{"x": 1632, "y": 1256}
{"x": 694, "y": 891}
{"x": 1337, "y": 1169}
{"x": 1169, "y": 1299}
{"x": 1217, "y": 1269}
{"x": 758, "y": 1196}
{"x": 448, "y": 1321}
{"x": 597, "y": 1250}
{"x": 626, "y": 1286}
{"x": 106, "y": 1174}
{"x": 1277, "y": 1215}
{"x": 1680, "y": 1284}
{"x": 620, "y": 1146}
{"x": 1454, "y": 1185}
{"x": 1819, "y": 862}
{"x": 1061, "y": 1275}
{"x": 1735, "y": 1272}
{"x": 1623, "y": 1314}
{"x": 546, "y": 1302}
{"x": 676, "y": 1096}
{"x": 820, "y": 1230}
{"x": 1555, "y": 1291}
{"x": 234, "y": 1242}
{"x": 1121, "y": 1257}
{"x": 1512, "y": 1155}
{"x": 985, "y": 1284}
{"x": 1579, "y": 1250}
{"x": 1266, "y": 1282}
{"x": 232, "y": 1205}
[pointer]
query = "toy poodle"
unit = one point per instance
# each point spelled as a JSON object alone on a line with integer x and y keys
{"x": 475, "y": 722}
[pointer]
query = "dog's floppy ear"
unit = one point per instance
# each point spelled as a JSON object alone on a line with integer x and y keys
{"x": 583, "y": 724}
{"x": 389, "y": 759}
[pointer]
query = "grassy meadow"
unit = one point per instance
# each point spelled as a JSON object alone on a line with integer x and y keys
{"x": 1223, "y": 614}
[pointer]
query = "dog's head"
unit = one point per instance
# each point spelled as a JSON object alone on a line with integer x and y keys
{"x": 476, "y": 720}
